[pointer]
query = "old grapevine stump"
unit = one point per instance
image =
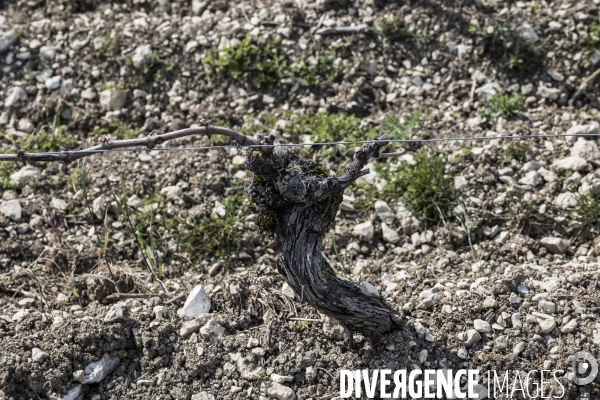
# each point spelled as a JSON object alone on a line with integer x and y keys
{"x": 298, "y": 201}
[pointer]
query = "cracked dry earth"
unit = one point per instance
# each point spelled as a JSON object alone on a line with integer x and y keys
{"x": 512, "y": 285}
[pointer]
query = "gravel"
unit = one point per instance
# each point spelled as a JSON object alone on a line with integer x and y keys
{"x": 515, "y": 286}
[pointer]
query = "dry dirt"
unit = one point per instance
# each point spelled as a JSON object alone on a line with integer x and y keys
{"x": 491, "y": 296}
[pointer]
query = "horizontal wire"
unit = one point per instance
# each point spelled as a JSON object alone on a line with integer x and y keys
{"x": 432, "y": 140}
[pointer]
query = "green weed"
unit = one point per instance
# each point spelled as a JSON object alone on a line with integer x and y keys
{"x": 401, "y": 131}
{"x": 260, "y": 378}
{"x": 49, "y": 138}
{"x": 6, "y": 168}
{"x": 425, "y": 189}
{"x": 155, "y": 68}
{"x": 503, "y": 44}
{"x": 502, "y": 104}
{"x": 302, "y": 325}
{"x": 365, "y": 198}
{"x": 212, "y": 235}
{"x": 394, "y": 29}
{"x": 325, "y": 127}
{"x": 116, "y": 130}
{"x": 591, "y": 41}
{"x": 514, "y": 151}
{"x": 523, "y": 214}
{"x": 326, "y": 63}
{"x": 261, "y": 64}
{"x": 587, "y": 211}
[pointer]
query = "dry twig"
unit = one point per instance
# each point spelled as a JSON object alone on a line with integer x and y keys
{"x": 587, "y": 82}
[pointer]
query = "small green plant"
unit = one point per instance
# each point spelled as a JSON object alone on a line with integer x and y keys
{"x": 392, "y": 28}
{"x": 424, "y": 187}
{"x": 523, "y": 214}
{"x": 259, "y": 378}
{"x": 325, "y": 127}
{"x": 587, "y": 211}
{"x": 302, "y": 325}
{"x": 51, "y": 137}
{"x": 212, "y": 235}
{"x": 506, "y": 45}
{"x": 261, "y": 64}
{"x": 365, "y": 199}
{"x": 6, "y": 168}
{"x": 591, "y": 41}
{"x": 401, "y": 131}
{"x": 502, "y": 104}
{"x": 514, "y": 151}
{"x": 155, "y": 68}
{"x": 325, "y": 63}
{"x": 116, "y": 130}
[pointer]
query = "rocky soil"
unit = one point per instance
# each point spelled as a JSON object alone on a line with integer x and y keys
{"x": 509, "y": 282}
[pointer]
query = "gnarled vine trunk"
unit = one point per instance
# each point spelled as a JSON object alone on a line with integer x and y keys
{"x": 298, "y": 201}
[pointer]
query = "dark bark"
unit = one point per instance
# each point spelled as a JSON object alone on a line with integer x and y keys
{"x": 298, "y": 202}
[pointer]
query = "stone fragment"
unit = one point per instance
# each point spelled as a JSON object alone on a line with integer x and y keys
{"x": 281, "y": 378}
{"x": 482, "y": 326}
{"x": 547, "y": 325}
{"x": 141, "y": 56}
{"x": 113, "y": 99}
{"x": 117, "y": 313}
{"x": 389, "y": 235}
{"x": 189, "y": 327}
{"x": 197, "y": 303}
{"x": 532, "y": 178}
{"x": 203, "y": 396}
{"x": 288, "y": 291}
{"x": 11, "y": 209}
{"x": 555, "y": 245}
{"x": 16, "y": 97}
{"x": 565, "y": 200}
{"x": 98, "y": 370}
{"x": 364, "y": 231}
{"x": 384, "y": 212}
{"x": 277, "y": 391}
{"x": 472, "y": 337}
{"x": 460, "y": 183}
{"x": 571, "y": 163}
{"x": 172, "y": 192}
{"x": 39, "y": 355}
{"x": 518, "y": 349}
{"x": 547, "y": 307}
{"x": 502, "y": 342}
{"x": 569, "y": 326}
{"x": 24, "y": 175}
{"x": 73, "y": 394}
{"x": 212, "y": 331}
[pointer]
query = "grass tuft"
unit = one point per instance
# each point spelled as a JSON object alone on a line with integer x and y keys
{"x": 514, "y": 151}
{"x": 326, "y": 63}
{"x": 401, "y": 131}
{"x": 505, "y": 46}
{"x": 502, "y": 105}
{"x": 117, "y": 130}
{"x": 392, "y": 28}
{"x": 424, "y": 187}
{"x": 212, "y": 235}
{"x": 587, "y": 211}
{"x": 325, "y": 127}
{"x": 261, "y": 64}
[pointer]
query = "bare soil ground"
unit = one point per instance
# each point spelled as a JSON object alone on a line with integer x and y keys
{"x": 509, "y": 280}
